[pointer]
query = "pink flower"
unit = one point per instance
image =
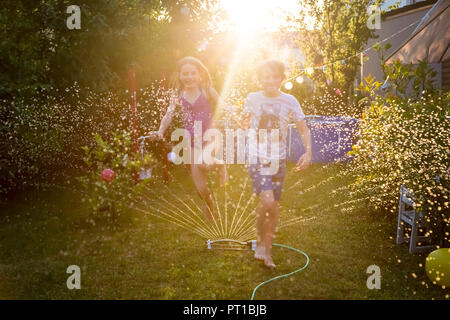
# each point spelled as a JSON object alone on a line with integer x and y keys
{"x": 108, "y": 175}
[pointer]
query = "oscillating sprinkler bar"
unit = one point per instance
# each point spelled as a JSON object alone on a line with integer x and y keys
{"x": 230, "y": 244}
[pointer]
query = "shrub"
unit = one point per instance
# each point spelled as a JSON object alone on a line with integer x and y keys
{"x": 43, "y": 131}
{"x": 405, "y": 141}
{"x": 112, "y": 197}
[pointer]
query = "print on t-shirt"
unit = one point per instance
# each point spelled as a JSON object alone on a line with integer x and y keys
{"x": 270, "y": 116}
{"x": 269, "y": 120}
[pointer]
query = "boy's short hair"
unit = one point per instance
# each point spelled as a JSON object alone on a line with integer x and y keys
{"x": 275, "y": 65}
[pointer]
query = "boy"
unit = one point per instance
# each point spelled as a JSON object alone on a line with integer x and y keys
{"x": 271, "y": 109}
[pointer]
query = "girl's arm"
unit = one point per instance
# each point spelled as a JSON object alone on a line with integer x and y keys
{"x": 217, "y": 100}
{"x": 166, "y": 120}
{"x": 243, "y": 120}
{"x": 216, "y": 97}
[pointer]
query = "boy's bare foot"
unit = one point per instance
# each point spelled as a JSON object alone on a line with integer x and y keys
{"x": 260, "y": 252}
{"x": 223, "y": 176}
{"x": 269, "y": 262}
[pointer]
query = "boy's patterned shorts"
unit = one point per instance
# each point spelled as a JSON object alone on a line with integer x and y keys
{"x": 267, "y": 182}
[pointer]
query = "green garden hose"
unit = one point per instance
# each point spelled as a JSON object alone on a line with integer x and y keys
{"x": 231, "y": 244}
{"x": 283, "y": 275}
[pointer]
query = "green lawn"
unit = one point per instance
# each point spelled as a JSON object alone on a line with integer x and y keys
{"x": 139, "y": 256}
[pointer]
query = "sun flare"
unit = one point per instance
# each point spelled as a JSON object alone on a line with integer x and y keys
{"x": 254, "y": 16}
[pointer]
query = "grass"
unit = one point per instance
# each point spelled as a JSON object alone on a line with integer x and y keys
{"x": 139, "y": 256}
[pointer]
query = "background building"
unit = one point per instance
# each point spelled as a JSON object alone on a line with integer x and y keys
{"x": 399, "y": 24}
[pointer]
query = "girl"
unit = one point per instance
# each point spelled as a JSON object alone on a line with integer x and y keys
{"x": 198, "y": 100}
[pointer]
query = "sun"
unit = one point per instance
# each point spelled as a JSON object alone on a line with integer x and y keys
{"x": 254, "y": 25}
{"x": 256, "y": 16}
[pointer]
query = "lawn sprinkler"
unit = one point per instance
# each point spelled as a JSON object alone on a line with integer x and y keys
{"x": 230, "y": 244}
{"x": 144, "y": 173}
{"x": 139, "y": 143}
{"x": 147, "y": 173}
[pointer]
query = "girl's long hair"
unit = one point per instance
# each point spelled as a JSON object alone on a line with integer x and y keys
{"x": 205, "y": 77}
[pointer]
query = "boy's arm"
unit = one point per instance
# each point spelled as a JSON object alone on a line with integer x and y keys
{"x": 305, "y": 135}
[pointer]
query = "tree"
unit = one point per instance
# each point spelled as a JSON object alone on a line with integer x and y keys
{"x": 46, "y": 117}
{"x": 39, "y": 50}
{"x": 338, "y": 34}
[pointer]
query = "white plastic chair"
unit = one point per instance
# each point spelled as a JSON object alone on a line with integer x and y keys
{"x": 412, "y": 217}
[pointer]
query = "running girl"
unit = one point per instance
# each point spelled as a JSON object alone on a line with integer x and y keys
{"x": 198, "y": 100}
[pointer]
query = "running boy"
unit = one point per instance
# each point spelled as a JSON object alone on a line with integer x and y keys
{"x": 271, "y": 109}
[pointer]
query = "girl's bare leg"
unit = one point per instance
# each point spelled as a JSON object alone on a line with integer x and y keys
{"x": 223, "y": 175}
{"x": 217, "y": 164}
{"x": 199, "y": 175}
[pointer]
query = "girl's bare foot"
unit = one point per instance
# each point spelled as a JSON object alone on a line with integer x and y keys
{"x": 260, "y": 252}
{"x": 269, "y": 262}
{"x": 208, "y": 214}
{"x": 223, "y": 176}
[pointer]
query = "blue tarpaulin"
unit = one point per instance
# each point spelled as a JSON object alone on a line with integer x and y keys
{"x": 332, "y": 138}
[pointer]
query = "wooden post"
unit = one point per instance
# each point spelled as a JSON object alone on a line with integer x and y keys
{"x": 132, "y": 83}
{"x": 165, "y": 162}
{"x": 163, "y": 142}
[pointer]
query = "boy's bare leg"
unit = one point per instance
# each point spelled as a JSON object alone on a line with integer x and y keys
{"x": 270, "y": 236}
{"x": 260, "y": 251}
{"x": 271, "y": 206}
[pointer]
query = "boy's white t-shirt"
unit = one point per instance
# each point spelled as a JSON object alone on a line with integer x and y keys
{"x": 272, "y": 113}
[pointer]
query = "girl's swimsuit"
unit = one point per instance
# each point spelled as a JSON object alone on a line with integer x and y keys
{"x": 200, "y": 110}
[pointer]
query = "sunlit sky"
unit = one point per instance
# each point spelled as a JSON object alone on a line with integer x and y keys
{"x": 250, "y": 19}
{"x": 253, "y": 16}
{"x": 250, "y": 16}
